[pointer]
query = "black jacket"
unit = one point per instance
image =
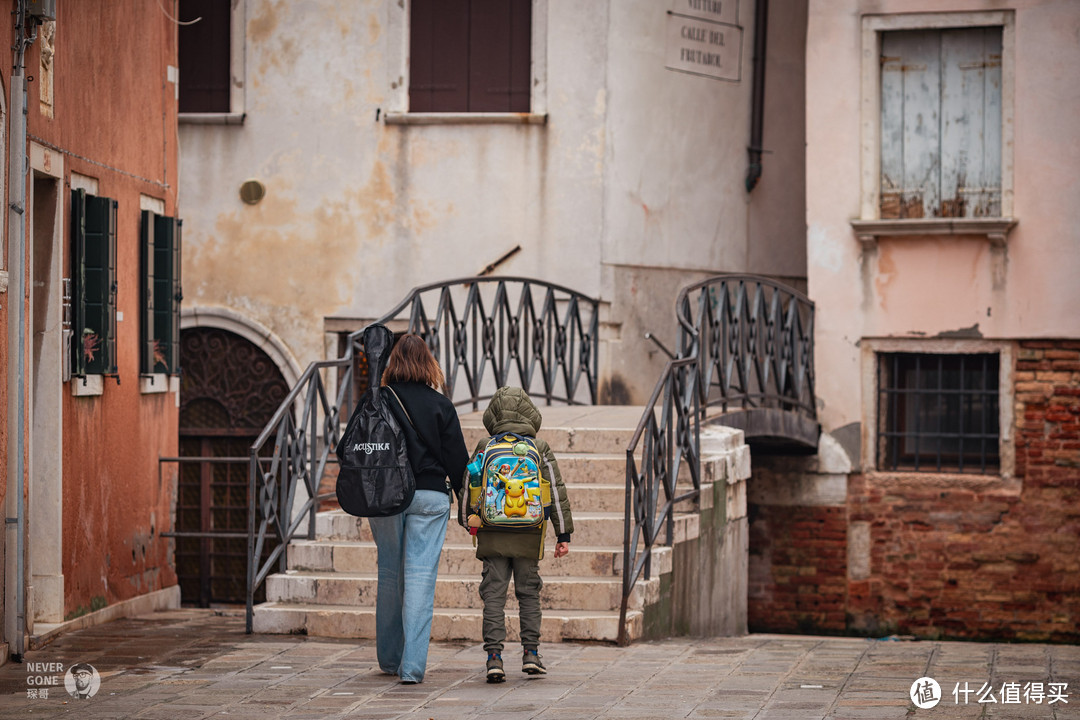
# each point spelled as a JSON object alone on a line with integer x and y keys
{"x": 442, "y": 452}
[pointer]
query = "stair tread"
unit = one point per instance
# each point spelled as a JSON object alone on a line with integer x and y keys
{"x": 444, "y": 577}
{"x": 548, "y": 612}
{"x": 370, "y": 544}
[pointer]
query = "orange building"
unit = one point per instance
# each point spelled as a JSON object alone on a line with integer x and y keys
{"x": 89, "y": 305}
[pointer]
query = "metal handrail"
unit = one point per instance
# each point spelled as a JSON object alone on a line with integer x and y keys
{"x": 482, "y": 329}
{"x": 669, "y": 444}
{"x": 753, "y": 338}
{"x": 745, "y": 341}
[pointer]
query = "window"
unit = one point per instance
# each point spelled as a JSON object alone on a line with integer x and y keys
{"x": 470, "y": 55}
{"x": 204, "y": 56}
{"x": 93, "y": 244}
{"x": 211, "y": 60}
{"x": 159, "y": 337}
{"x": 941, "y": 122}
{"x": 938, "y": 412}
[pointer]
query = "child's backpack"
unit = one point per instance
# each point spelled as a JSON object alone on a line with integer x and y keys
{"x": 375, "y": 478}
{"x": 506, "y": 488}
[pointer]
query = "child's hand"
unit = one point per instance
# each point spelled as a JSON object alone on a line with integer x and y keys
{"x": 562, "y": 549}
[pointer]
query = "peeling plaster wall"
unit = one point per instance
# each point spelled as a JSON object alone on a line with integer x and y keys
{"x": 638, "y": 169}
{"x": 926, "y": 286}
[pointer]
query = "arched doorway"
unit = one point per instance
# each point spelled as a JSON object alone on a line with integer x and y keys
{"x": 229, "y": 390}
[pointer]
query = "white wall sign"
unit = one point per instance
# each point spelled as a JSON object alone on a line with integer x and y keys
{"x": 703, "y": 47}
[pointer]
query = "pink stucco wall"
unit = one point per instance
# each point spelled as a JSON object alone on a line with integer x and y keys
{"x": 927, "y": 285}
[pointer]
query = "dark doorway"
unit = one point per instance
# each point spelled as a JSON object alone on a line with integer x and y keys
{"x": 229, "y": 390}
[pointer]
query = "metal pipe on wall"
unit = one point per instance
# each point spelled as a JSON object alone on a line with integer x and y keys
{"x": 757, "y": 117}
{"x": 18, "y": 168}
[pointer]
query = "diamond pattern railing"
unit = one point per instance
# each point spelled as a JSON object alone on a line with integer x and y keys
{"x": 486, "y": 332}
{"x": 745, "y": 341}
{"x": 754, "y": 342}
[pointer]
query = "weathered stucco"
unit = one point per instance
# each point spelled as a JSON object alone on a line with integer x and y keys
{"x": 929, "y": 286}
{"x": 637, "y": 169}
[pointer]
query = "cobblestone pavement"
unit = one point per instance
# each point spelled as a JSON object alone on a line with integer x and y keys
{"x": 199, "y": 664}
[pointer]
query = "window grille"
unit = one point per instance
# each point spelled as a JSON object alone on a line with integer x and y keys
{"x": 938, "y": 413}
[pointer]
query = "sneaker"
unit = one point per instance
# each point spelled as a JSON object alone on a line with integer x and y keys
{"x": 530, "y": 663}
{"x": 495, "y": 672}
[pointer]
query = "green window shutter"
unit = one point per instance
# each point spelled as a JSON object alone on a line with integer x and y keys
{"x": 93, "y": 227}
{"x": 108, "y": 232}
{"x": 176, "y": 297}
{"x": 166, "y": 279}
{"x": 146, "y": 292}
{"x": 79, "y": 351}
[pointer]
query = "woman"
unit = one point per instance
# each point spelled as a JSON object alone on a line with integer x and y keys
{"x": 410, "y": 543}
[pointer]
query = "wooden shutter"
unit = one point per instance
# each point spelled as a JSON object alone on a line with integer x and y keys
{"x": 160, "y": 324}
{"x": 167, "y": 293}
{"x": 941, "y": 123}
{"x": 439, "y": 56}
{"x": 470, "y": 55}
{"x": 204, "y": 56}
{"x": 93, "y": 222}
{"x": 499, "y": 53}
{"x": 146, "y": 292}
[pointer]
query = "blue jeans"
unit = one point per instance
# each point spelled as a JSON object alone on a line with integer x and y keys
{"x": 409, "y": 548}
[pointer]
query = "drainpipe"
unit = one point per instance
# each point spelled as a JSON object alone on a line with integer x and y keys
{"x": 757, "y": 117}
{"x": 15, "y": 627}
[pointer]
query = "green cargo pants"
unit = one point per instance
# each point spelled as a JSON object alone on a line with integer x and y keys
{"x": 493, "y": 588}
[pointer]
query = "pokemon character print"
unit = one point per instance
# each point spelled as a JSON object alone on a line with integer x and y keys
{"x": 512, "y": 488}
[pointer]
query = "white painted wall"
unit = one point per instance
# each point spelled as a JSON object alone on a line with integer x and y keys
{"x": 634, "y": 182}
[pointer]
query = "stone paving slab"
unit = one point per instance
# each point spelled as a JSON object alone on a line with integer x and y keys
{"x": 199, "y": 664}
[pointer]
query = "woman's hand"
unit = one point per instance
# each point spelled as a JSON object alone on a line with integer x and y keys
{"x": 561, "y": 549}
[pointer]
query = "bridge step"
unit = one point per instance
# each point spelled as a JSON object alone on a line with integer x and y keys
{"x": 460, "y": 559}
{"x": 558, "y": 593}
{"x": 448, "y": 624}
{"x": 329, "y": 589}
{"x": 593, "y": 529}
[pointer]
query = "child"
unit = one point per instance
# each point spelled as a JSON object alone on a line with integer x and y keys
{"x": 517, "y": 551}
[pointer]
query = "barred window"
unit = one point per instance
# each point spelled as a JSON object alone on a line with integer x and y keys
{"x": 938, "y": 412}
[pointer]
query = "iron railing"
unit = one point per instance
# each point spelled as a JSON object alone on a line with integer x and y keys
{"x": 754, "y": 342}
{"x": 486, "y": 332}
{"x": 745, "y": 341}
{"x": 670, "y": 444}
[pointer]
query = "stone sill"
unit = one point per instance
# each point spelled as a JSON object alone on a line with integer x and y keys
{"x": 996, "y": 230}
{"x": 87, "y": 386}
{"x": 211, "y": 118}
{"x": 466, "y": 118}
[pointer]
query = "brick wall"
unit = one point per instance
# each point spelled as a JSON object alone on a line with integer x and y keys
{"x": 797, "y": 574}
{"x": 948, "y": 556}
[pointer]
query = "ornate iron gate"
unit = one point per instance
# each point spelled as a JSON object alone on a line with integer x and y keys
{"x": 228, "y": 391}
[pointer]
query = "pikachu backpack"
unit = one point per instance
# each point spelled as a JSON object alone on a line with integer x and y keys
{"x": 506, "y": 488}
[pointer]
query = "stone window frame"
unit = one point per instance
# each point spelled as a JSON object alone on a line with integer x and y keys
{"x": 869, "y": 226}
{"x": 871, "y": 348}
{"x": 397, "y": 80}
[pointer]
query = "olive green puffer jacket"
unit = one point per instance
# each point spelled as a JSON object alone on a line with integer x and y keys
{"x": 511, "y": 410}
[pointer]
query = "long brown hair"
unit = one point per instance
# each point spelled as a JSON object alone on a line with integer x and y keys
{"x": 412, "y": 361}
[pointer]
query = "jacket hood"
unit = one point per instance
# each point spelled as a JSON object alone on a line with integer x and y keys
{"x": 511, "y": 410}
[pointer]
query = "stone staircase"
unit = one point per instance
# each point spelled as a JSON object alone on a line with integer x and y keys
{"x": 330, "y": 586}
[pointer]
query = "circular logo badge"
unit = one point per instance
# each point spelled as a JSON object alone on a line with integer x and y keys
{"x": 82, "y": 681}
{"x": 925, "y": 693}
